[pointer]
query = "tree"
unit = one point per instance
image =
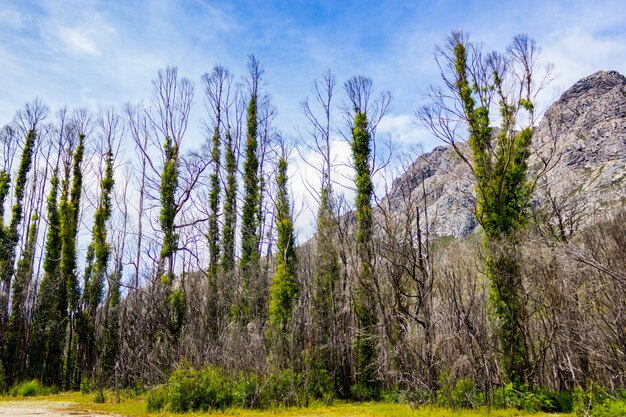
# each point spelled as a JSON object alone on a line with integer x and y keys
{"x": 45, "y": 360}
{"x": 172, "y": 103}
{"x": 499, "y": 164}
{"x": 285, "y": 287}
{"x": 251, "y": 205}
{"x": 18, "y": 321}
{"x": 359, "y": 90}
{"x": 27, "y": 121}
{"x": 98, "y": 251}
{"x": 69, "y": 209}
{"x": 325, "y": 355}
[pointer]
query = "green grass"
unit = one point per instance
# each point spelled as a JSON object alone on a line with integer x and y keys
{"x": 135, "y": 406}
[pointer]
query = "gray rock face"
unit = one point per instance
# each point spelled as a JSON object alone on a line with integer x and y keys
{"x": 582, "y": 135}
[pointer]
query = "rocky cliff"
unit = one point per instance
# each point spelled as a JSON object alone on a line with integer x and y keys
{"x": 582, "y": 135}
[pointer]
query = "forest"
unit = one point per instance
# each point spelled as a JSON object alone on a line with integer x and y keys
{"x": 130, "y": 260}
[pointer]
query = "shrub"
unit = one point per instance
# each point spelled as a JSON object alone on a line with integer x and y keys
{"x": 30, "y": 389}
{"x": 595, "y": 401}
{"x": 191, "y": 389}
{"x": 157, "y": 398}
{"x": 282, "y": 389}
{"x": 85, "y": 385}
{"x": 463, "y": 394}
{"x": 247, "y": 391}
{"x": 99, "y": 398}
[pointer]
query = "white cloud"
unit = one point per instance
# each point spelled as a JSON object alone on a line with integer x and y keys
{"x": 78, "y": 41}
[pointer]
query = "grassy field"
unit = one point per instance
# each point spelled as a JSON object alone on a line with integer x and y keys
{"x": 125, "y": 405}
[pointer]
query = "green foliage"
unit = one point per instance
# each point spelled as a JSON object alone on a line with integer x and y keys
{"x": 85, "y": 385}
{"x": 30, "y": 388}
{"x": 99, "y": 397}
{"x": 230, "y": 207}
{"x": 8, "y": 243}
{"x": 169, "y": 185}
{"x": 192, "y": 390}
{"x": 285, "y": 287}
{"x": 367, "y": 386}
{"x": 251, "y": 203}
{"x": 463, "y": 394}
{"x": 532, "y": 400}
{"x": 597, "y": 402}
{"x": 5, "y": 186}
{"x": 157, "y": 399}
{"x": 325, "y": 281}
{"x": 214, "y": 202}
{"x": 69, "y": 222}
{"x": 111, "y": 327}
{"x": 98, "y": 254}
{"x": 502, "y": 192}
{"x": 16, "y": 334}
{"x": 51, "y": 308}
{"x": 178, "y": 308}
{"x": 248, "y": 390}
{"x": 210, "y": 388}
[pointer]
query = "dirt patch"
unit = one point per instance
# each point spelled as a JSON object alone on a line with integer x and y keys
{"x": 42, "y": 409}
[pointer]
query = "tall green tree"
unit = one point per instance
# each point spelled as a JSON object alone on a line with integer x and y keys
{"x": 48, "y": 329}
{"x": 230, "y": 205}
{"x": 69, "y": 209}
{"x": 17, "y": 332}
{"x": 98, "y": 253}
{"x": 285, "y": 287}
{"x": 366, "y": 384}
{"x": 367, "y": 292}
{"x": 169, "y": 185}
{"x": 499, "y": 163}
{"x": 249, "y": 263}
{"x": 8, "y": 244}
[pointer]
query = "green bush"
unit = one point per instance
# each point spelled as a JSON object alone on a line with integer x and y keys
{"x": 282, "y": 389}
{"x": 99, "y": 398}
{"x": 209, "y": 388}
{"x": 85, "y": 385}
{"x": 30, "y": 389}
{"x": 597, "y": 402}
{"x": 157, "y": 398}
{"x": 247, "y": 391}
{"x": 320, "y": 385}
{"x": 205, "y": 389}
{"x": 462, "y": 395}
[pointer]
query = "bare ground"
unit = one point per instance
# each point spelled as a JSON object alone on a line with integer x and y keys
{"x": 42, "y": 409}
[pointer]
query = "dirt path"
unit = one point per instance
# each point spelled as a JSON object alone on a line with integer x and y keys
{"x": 41, "y": 409}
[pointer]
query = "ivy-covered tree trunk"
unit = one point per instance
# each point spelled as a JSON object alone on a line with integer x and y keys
{"x": 8, "y": 244}
{"x": 98, "y": 254}
{"x": 230, "y": 206}
{"x": 366, "y": 384}
{"x": 174, "y": 300}
{"x": 70, "y": 211}
{"x": 249, "y": 263}
{"x": 48, "y": 329}
{"x": 18, "y": 321}
{"x": 285, "y": 287}
{"x": 324, "y": 309}
{"x": 502, "y": 192}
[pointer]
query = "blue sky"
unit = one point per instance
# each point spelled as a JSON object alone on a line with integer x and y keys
{"x": 85, "y": 53}
{"x": 90, "y": 53}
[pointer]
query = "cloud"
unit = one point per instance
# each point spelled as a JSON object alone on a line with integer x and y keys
{"x": 78, "y": 41}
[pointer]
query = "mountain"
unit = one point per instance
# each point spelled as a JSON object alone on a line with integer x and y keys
{"x": 582, "y": 134}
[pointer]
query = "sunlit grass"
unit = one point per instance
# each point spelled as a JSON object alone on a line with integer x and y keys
{"x": 124, "y": 404}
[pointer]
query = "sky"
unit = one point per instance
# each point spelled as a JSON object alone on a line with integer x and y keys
{"x": 91, "y": 53}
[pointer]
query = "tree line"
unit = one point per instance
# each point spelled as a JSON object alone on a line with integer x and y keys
{"x": 123, "y": 256}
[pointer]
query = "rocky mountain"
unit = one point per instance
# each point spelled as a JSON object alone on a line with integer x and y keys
{"x": 583, "y": 135}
